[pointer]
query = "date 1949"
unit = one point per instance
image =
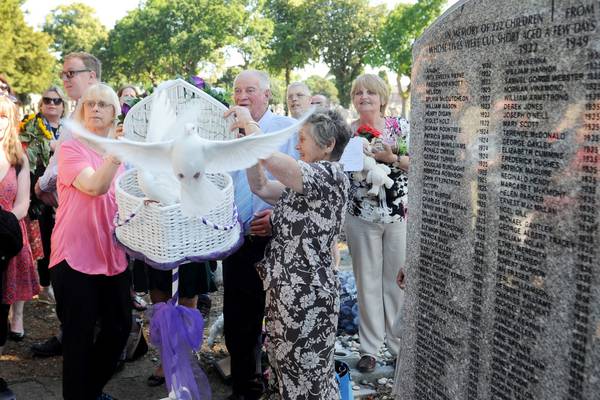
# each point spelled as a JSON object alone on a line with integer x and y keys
{"x": 577, "y": 42}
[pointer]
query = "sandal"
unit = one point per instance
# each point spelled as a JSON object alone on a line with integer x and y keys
{"x": 155, "y": 380}
{"x": 366, "y": 364}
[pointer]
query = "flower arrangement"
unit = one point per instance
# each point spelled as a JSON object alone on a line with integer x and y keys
{"x": 125, "y": 107}
{"x": 401, "y": 147}
{"x": 217, "y": 93}
{"x": 367, "y": 132}
{"x": 36, "y": 136}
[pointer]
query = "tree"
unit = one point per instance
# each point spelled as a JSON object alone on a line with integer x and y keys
{"x": 348, "y": 32}
{"x": 24, "y": 56}
{"x": 318, "y": 84}
{"x": 397, "y": 35}
{"x": 162, "y": 39}
{"x": 74, "y": 27}
{"x": 293, "y": 41}
{"x": 253, "y": 44}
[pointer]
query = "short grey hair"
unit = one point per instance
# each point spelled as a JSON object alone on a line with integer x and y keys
{"x": 263, "y": 78}
{"x": 299, "y": 84}
{"x": 329, "y": 126}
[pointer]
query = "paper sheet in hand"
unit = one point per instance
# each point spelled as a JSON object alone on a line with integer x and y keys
{"x": 353, "y": 157}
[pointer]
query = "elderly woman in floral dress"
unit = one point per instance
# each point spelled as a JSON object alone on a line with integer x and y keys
{"x": 298, "y": 271}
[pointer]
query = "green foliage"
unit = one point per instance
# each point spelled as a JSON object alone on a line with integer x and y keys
{"x": 24, "y": 56}
{"x": 253, "y": 44}
{"x": 401, "y": 28}
{"x": 348, "y": 31}
{"x": 293, "y": 41}
{"x": 74, "y": 28}
{"x": 162, "y": 39}
{"x": 278, "y": 89}
{"x": 319, "y": 85}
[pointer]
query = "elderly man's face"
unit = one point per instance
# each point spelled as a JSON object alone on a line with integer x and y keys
{"x": 81, "y": 77}
{"x": 320, "y": 102}
{"x": 249, "y": 94}
{"x": 298, "y": 100}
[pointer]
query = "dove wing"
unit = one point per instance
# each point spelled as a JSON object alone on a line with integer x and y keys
{"x": 162, "y": 118}
{"x": 233, "y": 155}
{"x": 146, "y": 156}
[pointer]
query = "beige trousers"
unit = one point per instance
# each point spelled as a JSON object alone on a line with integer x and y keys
{"x": 378, "y": 251}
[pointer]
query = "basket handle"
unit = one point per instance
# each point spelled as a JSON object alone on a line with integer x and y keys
{"x": 223, "y": 227}
{"x": 128, "y": 219}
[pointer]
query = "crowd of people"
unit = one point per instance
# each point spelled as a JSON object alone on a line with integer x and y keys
{"x": 293, "y": 207}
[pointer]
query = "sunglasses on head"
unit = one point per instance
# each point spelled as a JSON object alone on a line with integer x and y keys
{"x": 47, "y": 100}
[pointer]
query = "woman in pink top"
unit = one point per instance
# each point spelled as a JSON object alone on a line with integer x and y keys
{"x": 93, "y": 284}
{"x": 19, "y": 282}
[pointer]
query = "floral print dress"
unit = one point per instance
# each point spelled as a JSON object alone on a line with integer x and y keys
{"x": 298, "y": 273}
{"x": 392, "y": 207}
{"x": 20, "y": 280}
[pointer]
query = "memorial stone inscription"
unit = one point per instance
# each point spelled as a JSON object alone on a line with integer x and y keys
{"x": 503, "y": 298}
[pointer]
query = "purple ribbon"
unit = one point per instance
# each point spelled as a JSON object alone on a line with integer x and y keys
{"x": 176, "y": 331}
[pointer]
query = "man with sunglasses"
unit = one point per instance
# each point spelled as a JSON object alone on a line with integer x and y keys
{"x": 80, "y": 71}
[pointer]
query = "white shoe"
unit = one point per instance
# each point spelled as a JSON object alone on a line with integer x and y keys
{"x": 47, "y": 295}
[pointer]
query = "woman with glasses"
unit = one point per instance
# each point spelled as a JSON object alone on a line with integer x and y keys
{"x": 93, "y": 283}
{"x": 20, "y": 281}
{"x": 39, "y": 135}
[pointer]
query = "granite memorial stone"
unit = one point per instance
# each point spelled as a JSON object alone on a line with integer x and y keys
{"x": 503, "y": 274}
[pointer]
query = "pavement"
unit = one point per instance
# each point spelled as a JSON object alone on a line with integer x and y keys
{"x": 35, "y": 379}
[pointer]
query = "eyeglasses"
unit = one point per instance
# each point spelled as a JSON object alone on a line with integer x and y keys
{"x": 3, "y": 86}
{"x": 67, "y": 75}
{"x": 92, "y": 103}
{"x": 49, "y": 100}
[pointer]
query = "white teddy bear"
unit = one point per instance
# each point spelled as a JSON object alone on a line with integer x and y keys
{"x": 374, "y": 173}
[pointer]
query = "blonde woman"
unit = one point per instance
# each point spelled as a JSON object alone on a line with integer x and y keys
{"x": 376, "y": 225}
{"x": 88, "y": 267}
{"x": 20, "y": 281}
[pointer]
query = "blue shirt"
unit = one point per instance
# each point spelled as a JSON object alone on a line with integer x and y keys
{"x": 268, "y": 123}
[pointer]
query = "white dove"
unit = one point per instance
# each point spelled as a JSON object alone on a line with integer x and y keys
{"x": 162, "y": 186}
{"x": 191, "y": 157}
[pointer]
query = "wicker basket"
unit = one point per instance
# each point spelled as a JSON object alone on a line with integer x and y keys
{"x": 161, "y": 235}
{"x": 182, "y": 96}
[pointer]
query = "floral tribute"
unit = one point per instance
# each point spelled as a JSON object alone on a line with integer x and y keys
{"x": 367, "y": 132}
{"x": 35, "y": 135}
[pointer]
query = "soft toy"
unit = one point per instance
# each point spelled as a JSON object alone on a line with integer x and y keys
{"x": 374, "y": 173}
